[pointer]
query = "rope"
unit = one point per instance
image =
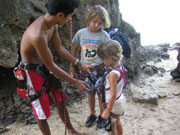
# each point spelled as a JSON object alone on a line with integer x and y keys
{"x": 70, "y": 30}
{"x": 65, "y": 120}
{"x": 71, "y": 33}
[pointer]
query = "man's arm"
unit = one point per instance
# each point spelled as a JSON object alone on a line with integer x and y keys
{"x": 64, "y": 54}
{"x": 75, "y": 50}
{"x": 61, "y": 51}
{"x": 40, "y": 44}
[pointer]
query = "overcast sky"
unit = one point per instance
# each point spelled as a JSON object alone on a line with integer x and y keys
{"x": 158, "y": 21}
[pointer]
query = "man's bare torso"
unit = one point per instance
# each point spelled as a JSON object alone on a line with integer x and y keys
{"x": 37, "y": 29}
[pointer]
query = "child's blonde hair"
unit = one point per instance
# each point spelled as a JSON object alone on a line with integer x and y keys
{"x": 110, "y": 48}
{"x": 98, "y": 10}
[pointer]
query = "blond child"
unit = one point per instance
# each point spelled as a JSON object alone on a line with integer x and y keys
{"x": 88, "y": 40}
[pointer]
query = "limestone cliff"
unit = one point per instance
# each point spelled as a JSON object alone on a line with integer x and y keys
{"x": 16, "y": 15}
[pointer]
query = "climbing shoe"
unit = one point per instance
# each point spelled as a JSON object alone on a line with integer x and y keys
{"x": 90, "y": 120}
{"x": 99, "y": 121}
{"x": 105, "y": 124}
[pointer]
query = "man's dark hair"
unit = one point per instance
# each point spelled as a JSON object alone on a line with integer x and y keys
{"x": 65, "y": 6}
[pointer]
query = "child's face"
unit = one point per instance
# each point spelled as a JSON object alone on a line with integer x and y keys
{"x": 108, "y": 61}
{"x": 96, "y": 24}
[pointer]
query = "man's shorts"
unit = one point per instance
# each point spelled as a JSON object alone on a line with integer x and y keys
{"x": 41, "y": 106}
{"x": 92, "y": 82}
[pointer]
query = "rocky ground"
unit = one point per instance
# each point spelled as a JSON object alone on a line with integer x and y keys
{"x": 161, "y": 118}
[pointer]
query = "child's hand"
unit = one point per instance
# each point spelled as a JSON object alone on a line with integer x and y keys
{"x": 106, "y": 114}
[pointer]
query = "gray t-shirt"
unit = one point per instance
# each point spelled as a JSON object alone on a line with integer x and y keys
{"x": 89, "y": 43}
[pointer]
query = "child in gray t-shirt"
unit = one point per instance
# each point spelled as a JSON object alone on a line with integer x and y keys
{"x": 88, "y": 40}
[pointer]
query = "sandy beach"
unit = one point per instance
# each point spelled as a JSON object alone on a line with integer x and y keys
{"x": 138, "y": 119}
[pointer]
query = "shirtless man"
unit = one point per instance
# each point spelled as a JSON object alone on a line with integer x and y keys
{"x": 35, "y": 52}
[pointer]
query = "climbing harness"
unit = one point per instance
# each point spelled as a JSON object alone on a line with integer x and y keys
{"x": 92, "y": 78}
{"x": 21, "y": 80}
{"x": 122, "y": 71}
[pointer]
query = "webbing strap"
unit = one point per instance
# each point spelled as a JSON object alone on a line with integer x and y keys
{"x": 39, "y": 71}
{"x": 37, "y": 95}
{"x": 122, "y": 75}
{"x": 43, "y": 89}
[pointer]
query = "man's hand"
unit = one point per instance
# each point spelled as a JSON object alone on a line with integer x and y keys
{"x": 82, "y": 85}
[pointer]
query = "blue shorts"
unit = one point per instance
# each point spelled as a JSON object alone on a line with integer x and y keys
{"x": 96, "y": 82}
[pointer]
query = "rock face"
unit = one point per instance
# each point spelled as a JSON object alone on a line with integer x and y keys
{"x": 15, "y": 16}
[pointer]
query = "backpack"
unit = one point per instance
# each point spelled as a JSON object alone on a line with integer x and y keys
{"x": 122, "y": 39}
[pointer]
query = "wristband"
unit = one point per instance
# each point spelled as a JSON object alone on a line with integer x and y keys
{"x": 76, "y": 62}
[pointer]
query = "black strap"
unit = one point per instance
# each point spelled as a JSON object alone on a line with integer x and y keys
{"x": 28, "y": 66}
{"x": 103, "y": 87}
{"x": 37, "y": 95}
{"x": 40, "y": 71}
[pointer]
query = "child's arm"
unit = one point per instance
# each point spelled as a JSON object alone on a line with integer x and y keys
{"x": 113, "y": 85}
